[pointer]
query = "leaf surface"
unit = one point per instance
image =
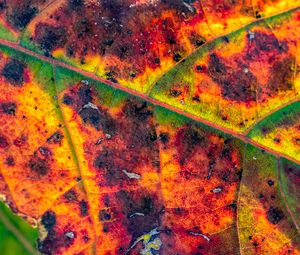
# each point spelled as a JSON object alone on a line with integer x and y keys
{"x": 154, "y": 141}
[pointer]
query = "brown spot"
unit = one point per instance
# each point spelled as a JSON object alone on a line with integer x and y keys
{"x": 282, "y": 75}
{"x": 104, "y": 215}
{"x": 38, "y": 166}
{"x": 3, "y": 142}
{"x": 70, "y": 195}
{"x": 234, "y": 82}
{"x": 83, "y": 206}
{"x": 8, "y": 108}
{"x": 13, "y": 72}
{"x": 20, "y": 141}
{"x": 56, "y": 138}
{"x": 50, "y": 37}
{"x": 275, "y": 215}
{"x": 10, "y": 161}
{"x": 22, "y": 15}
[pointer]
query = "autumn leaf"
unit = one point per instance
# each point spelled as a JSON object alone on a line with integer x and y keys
{"x": 151, "y": 127}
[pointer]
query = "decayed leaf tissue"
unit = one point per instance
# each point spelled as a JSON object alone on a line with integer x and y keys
{"x": 148, "y": 127}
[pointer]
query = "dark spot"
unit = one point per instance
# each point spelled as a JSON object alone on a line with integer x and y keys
{"x": 22, "y": 15}
{"x": 91, "y": 115}
{"x": 104, "y": 215}
{"x": 55, "y": 138}
{"x": 270, "y": 182}
{"x": 49, "y": 220}
{"x": 147, "y": 204}
{"x": 10, "y": 161}
{"x": 50, "y": 37}
{"x": 13, "y": 72}
{"x": 200, "y": 68}
{"x": 83, "y": 205}
{"x": 3, "y": 142}
{"x": 282, "y": 75}
{"x": 175, "y": 92}
{"x": 67, "y": 100}
{"x": 48, "y": 245}
{"x": 105, "y": 229}
{"x": 70, "y": 195}
{"x": 275, "y": 215}
{"x": 187, "y": 140}
{"x": 137, "y": 110}
{"x": 196, "y": 99}
{"x": 85, "y": 94}
{"x": 257, "y": 15}
{"x": 216, "y": 67}
{"x": 38, "y": 166}
{"x": 235, "y": 84}
{"x": 164, "y": 137}
{"x": 19, "y": 141}
{"x": 177, "y": 57}
{"x": 76, "y": 4}
{"x": 276, "y": 140}
{"x": 111, "y": 76}
{"x": 225, "y": 39}
{"x": 8, "y": 108}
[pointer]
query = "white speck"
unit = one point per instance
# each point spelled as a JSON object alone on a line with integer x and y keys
{"x": 251, "y": 35}
{"x": 182, "y": 102}
{"x": 70, "y": 235}
{"x": 90, "y": 105}
{"x": 99, "y": 141}
{"x": 107, "y": 136}
{"x": 246, "y": 70}
{"x": 254, "y": 158}
{"x": 199, "y": 234}
{"x": 217, "y": 190}
{"x": 136, "y": 214}
{"x": 85, "y": 82}
{"x": 131, "y": 175}
{"x": 190, "y": 8}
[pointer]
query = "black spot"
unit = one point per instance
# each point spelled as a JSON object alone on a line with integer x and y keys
{"x": 70, "y": 195}
{"x": 177, "y": 57}
{"x": 38, "y": 166}
{"x": 49, "y": 220}
{"x": 13, "y": 72}
{"x": 275, "y": 215}
{"x": 55, "y": 138}
{"x": 67, "y": 100}
{"x": 270, "y": 182}
{"x": 10, "y": 161}
{"x": 164, "y": 137}
{"x": 104, "y": 215}
{"x": 175, "y": 92}
{"x": 22, "y": 15}
{"x": 8, "y": 108}
{"x": 83, "y": 205}
{"x": 111, "y": 76}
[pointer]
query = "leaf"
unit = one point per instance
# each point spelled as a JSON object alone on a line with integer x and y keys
{"x": 12, "y": 230}
{"x": 137, "y": 163}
